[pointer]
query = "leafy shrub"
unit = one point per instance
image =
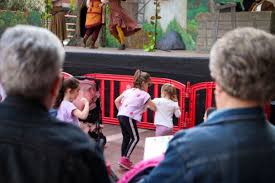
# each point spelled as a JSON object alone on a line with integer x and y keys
{"x": 147, "y": 27}
{"x": 10, "y": 18}
{"x": 34, "y": 18}
{"x": 23, "y": 5}
{"x": 192, "y": 29}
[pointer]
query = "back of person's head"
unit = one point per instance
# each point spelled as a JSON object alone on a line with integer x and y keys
{"x": 141, "y": 78}
{"x": 30, "y": 61}
{"x": 69, "y": 83}
{"x": 169, "y": 90}
{"x": 242, "y": 63}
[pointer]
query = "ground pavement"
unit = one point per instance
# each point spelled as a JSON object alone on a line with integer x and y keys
{"x": 113, "y": 146}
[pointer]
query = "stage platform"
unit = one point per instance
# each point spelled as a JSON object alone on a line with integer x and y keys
{"x": 182, "y": 66}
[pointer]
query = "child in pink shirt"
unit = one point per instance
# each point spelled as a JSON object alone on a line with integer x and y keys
{"x": 67, "y": 111}
{"x": 131, "y": 104}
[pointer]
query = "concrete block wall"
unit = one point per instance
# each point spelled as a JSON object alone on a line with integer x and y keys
{"x": 207, "y": 25}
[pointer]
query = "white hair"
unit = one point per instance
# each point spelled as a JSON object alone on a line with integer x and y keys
{"x": 242, "y": 62}
{"x": 30, "y": 60}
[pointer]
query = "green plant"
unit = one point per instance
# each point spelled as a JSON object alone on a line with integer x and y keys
{"x": 11, "y": 18}
{"x": 22, "y": 5}
{"x": 152, "y": 35}
{"x": 151, "y": 45}
{"x": 72, "y": 5}
{"x": 192, "y": 29}
{"x": 34, "y": 18}
{"x": 47, "y": 13}
{"x": 148, "y": 27}
{"x": 3, "y": 4}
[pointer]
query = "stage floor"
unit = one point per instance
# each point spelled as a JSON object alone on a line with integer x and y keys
{"x": 182, "y": 66}
{"x": 138, "y": 52}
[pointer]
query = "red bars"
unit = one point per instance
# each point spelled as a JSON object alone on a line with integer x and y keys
{"x": 187, "y": 97}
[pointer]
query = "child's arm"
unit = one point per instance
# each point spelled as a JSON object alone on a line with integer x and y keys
{"x": 151, "y": 105}
{"x": 177, "y": 111}
{"x": 118, "y": 101}
{"x": 84, "y": 113}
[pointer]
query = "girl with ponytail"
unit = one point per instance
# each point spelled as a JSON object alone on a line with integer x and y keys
{"x": 131, "y": 104}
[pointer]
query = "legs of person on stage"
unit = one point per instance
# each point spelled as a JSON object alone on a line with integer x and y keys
{"x": 94, "y": 32}
{"x": 121, "y": 37}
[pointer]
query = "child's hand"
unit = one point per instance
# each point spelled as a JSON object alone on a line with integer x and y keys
{"x": 84, "y": 100}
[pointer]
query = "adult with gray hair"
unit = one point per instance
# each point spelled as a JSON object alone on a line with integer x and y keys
{"x": 236, "y": 143}
{"x": 35, "y": 147}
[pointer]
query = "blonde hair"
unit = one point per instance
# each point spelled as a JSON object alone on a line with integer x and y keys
{"x": 140, "y": 78}
{"x": 170, "y": 90}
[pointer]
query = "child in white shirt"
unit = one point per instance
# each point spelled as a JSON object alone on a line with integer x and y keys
{"x": 166, "y": 106}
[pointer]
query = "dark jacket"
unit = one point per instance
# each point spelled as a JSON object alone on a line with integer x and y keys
{"x": 266, "y": 6}
{"x": 233, "y": 146}
{"x": 35, "y": 148}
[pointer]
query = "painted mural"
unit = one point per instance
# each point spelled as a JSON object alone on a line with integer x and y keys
{"x": 182, "y": 20}
{"x": 194, "y": 8}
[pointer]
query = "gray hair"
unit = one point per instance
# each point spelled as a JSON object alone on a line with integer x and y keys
{"x": 242, "y": 63}
{"x": 30, "y": 60}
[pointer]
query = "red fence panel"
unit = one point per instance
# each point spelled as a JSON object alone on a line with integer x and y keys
{"x": 124, "y": 82}
{"x": 113, "y": 85}
{"x": 209, "y": 87}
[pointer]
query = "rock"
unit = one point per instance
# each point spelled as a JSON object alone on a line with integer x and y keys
{"x": 171, "y": 41}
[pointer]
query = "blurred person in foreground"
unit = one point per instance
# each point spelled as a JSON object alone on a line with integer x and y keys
{"x": 35, "y": 147}
{"x": 236, "y": 143}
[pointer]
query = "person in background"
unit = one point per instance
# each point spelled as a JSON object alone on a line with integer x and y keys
{"x": 121, "y": 24}
{"x": 35, "y": 147}
{"x": 58, "y": 23}
{"x": 131, "y": 104}
{"x": 93, "y": 21}
{"x": 67, "y": 111}
{"x": 236, "y": 144}
{"x": 247, "y": 4}
{"x": 262, "y": 5}
{"x": 166, "y": 107}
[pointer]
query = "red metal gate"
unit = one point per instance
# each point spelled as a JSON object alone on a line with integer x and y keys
{"x": 192, "y": 93}
{"x": 113, "y": 85}
{"x": 124, "y": 81}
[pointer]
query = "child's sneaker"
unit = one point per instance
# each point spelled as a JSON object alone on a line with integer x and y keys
{"x": 125, "y": 163}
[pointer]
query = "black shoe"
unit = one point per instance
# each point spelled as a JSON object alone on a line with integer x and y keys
{"x": 122, "y": 47}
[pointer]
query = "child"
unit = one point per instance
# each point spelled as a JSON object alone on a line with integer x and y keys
{"x": 67, "y": 111}
{"x": 166, "y": 106}
{"x": 131, "y": 104}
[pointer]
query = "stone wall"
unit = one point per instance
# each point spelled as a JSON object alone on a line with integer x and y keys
{"x": 207, "y": 25}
